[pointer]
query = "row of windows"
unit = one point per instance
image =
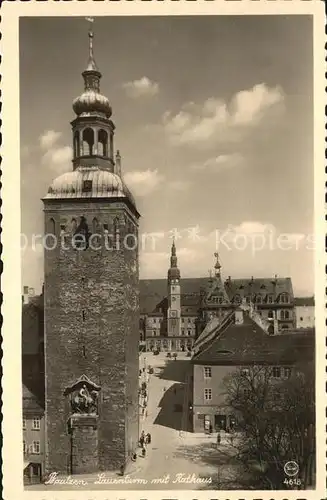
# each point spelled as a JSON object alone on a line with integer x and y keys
{"x": 35, "y": 447}
{"x": 277, "y": 372}
{"x": 96, "y": 226}
{"x": 259, "y": 299}
{"x": 36, "y": 423}
{"x": 88, "y": 143}
{"x": 184, "y": 320}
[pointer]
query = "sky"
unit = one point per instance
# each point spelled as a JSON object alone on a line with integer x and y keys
{"x": 214, "y": 124}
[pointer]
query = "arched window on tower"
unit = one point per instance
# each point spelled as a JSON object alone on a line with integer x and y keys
{"x": 102, "y": 143}
{"x": 73, "y": 225}
{"x": 95, "y": 225}
{"x": 52, "y": 226}
{"x": 76, "y": 144}
{"x": 88, "y": 142}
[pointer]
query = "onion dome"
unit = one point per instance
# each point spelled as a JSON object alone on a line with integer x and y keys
{"x": 92, "y": 101}
{"x": 89, "y": 182}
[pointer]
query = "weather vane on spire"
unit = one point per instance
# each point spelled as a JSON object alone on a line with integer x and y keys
{"x": 90, "y": 21}
{"x": 91, "y": 64}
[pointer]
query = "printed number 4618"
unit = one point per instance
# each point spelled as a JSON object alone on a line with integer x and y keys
{"x": 292, "y": 482}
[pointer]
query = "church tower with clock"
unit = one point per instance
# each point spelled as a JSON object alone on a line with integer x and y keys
{"x": 91, "y": 298}
{"x": 174, "y": 300}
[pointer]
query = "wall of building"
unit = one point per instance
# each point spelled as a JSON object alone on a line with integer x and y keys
{"x": 29, "y": 435}
{"x": 215, "y": 383}
{"x": 91, "y": 328}
{"x": 305, "y": 316}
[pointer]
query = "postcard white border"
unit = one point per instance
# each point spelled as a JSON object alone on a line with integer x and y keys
{"x": 11, "y": 278}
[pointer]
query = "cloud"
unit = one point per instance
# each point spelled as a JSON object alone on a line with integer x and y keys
{"x": 58, "y": 159}
{"x": 220, "y": 121}
{"x": 252, "y": 227}
{"x": 49, "y": 139}
{"x": 179, "y": 185}
{"x": 143, "y": 182}
{"x": 220, "y": 162}
{"x": 142, "y": 87}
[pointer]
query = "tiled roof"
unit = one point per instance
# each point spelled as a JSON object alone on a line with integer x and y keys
{"x": 304, "y": 301}
{"x": 152, "y": 291}
{"x": 248, "y": 343}
{"x": 30, "y": 402}
{"x": 256, "y": 286}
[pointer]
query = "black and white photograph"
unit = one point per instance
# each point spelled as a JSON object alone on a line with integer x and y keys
{"x": 169, "y": 325}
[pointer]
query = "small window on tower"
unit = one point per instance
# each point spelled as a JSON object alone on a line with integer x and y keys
{"x": 87, "y": 186}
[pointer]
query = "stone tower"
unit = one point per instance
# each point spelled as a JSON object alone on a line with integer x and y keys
{"x": 174, "y": 299}
{"x": 91, "y": 298}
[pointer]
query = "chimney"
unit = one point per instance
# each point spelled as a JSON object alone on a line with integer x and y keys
{"x": 276, "y": 326}
{"x": 25, "y": 294}
{"x": 118, "y": 163}
{"x": 239, "y": 317}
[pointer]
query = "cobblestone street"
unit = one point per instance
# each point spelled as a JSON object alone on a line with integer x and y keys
{"x": 176, "y": 458}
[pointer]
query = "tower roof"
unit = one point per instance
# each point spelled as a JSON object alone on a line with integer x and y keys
{"x": 173, "y": 271}
{"x": 102, "y": 184}
{"x": 91, "y": 101}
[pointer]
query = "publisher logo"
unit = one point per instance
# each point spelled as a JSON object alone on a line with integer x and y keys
{"x": 291, "y": 468}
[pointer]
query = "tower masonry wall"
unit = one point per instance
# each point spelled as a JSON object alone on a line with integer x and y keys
{"x": 92, "y": 329}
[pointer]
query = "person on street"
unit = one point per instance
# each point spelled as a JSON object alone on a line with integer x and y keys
{"x": 218, "y": 439}
{"x": 143, "y": 451}
{"x": 142, "y": 437}
{"x": 122, "y": 469}
{"x": 148, "y": 438}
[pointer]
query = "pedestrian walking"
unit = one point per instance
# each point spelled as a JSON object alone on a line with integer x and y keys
{"x": 148, "y": 438}
{"x": 143, "y": 451}
{"x": 142, "y": 437}
{"x": 218, "y": 439}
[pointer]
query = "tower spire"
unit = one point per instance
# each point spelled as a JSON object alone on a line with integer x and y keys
{"x": 91, "y": 65}
{"x": 217, "y": 264}
{"x": 173, "y": 272}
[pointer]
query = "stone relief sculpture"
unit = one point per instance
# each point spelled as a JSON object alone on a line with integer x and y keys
{"x": 83, "y": 396}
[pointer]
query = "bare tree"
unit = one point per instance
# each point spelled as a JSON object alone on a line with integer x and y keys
{"x": 276, "y": 423}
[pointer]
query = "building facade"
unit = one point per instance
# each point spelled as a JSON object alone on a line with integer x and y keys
{"x": 91, "y": 298}
{"x": 171, "y": 326}
{"x": 239, "y": 341}
{"x": 33, "y": 437}
{"x": 179, "y": 317}
{"x": 305, "y": 312}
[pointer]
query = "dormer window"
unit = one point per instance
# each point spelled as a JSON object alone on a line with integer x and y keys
{"x": 87, "y": 186}
{"x": 284, "y": 298}
{"x": 270, "y": 299}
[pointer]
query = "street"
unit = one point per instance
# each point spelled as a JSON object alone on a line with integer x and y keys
{"x": 176, "y": 458}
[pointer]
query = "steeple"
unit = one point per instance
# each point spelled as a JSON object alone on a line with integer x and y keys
{"x": 217, "y": 266}
{"x": 173, "y": 272}
{"x": 91, "y": 65}
{"x": 93, "y": 130}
